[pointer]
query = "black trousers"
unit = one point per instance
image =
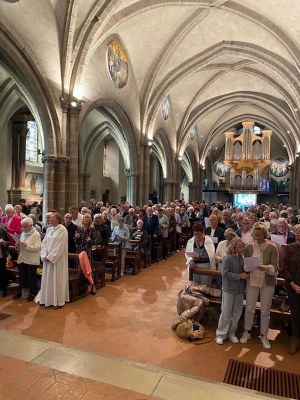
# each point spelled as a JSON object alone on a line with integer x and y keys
{"x": 3, "y": 274}
{"x": 28, "y": 277}
{"x": 294, "y": 302}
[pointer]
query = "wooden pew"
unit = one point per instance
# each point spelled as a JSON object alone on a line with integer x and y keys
{"x": 276, "y": 312}
{"x": 133, "y": 257}
{"x": 113, "y": 262}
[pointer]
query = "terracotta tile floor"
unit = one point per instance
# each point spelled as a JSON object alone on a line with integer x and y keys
{"x": 21, "y": 380}
{"x": 131, "y": 318}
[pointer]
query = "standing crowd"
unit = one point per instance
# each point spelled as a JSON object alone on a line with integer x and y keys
{"x": 216, "y": 236}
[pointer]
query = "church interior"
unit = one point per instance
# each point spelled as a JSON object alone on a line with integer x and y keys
{"x": 126, "y": 100}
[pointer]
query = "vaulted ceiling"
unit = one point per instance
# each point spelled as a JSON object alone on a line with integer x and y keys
{"x": 219, "y": 61}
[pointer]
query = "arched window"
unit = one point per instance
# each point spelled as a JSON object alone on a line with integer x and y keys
{"x": 32, "y": 142}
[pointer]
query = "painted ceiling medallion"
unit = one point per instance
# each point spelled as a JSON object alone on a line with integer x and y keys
{"x": 165, "y": 108}
{"x": 117, "y": 64}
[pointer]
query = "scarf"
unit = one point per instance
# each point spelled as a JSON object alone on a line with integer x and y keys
{"x": 27, "y": 234}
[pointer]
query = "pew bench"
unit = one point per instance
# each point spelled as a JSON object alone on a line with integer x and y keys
{"x": 275, "y": 313}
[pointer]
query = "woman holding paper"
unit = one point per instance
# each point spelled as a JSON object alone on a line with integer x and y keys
{"x": 200, "y": 252}
{"x": 28, "y": 261}
{"x": 233, "y": 285}
{"x": 291, "y": 274}
{"x": 261, "y": 282}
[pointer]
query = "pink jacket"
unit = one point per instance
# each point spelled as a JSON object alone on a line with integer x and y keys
{"x": 84, "y": 264}
{"x": 14, "y": 226}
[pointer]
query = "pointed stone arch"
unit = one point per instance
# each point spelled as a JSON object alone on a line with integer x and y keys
{"x": 114, "y": 122}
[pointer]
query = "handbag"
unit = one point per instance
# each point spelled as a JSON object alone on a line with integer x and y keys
{"x": 178, "y": 229}
{"x": 191, "y": 330}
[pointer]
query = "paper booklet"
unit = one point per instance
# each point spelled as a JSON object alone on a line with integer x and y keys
{"x": 278, "y": 239}
{"x": 15, "y": 237}
{"x": 192, "y": 254}
{"x": 251, "y": 263}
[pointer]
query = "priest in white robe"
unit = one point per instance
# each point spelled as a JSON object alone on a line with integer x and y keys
{"x": 54, "y": 254}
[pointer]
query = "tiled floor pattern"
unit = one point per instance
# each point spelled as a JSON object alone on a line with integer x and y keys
{"x": 21, "y": 380}
{"x": 131, "y": 319}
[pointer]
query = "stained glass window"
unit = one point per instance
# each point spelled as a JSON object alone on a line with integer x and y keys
{"x": 32, "y": 142}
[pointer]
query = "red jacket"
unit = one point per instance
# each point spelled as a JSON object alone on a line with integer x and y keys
{"x": 14, "y": 226}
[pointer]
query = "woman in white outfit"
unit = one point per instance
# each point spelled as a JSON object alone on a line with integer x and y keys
{"x": 54, "y": 254}
{"x": 205, "y": 249}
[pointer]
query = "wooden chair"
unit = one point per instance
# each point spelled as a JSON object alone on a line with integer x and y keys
{"x": 113, "y": 262}
{"x": 133, "y": 257}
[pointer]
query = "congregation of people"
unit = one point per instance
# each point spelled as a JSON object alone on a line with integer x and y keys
{"x": 216, "y": 236}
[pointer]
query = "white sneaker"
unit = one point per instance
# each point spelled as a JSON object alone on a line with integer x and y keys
{"x": 245, "y": 337}
{"x": 265, "y": 342}
{"x": 219, "y": 340}
{"x": 234, "y": 339}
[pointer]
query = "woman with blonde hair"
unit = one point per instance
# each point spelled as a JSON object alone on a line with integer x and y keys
{"x": 261, "y": 283}
{"x": 222, "y": 248}
{"x": 233, "y": 285}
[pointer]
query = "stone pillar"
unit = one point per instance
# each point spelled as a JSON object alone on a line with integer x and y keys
{"x": 19, "y": 132}
{"x": 61, "y": 185}
{"x": 191, "y": 191}
{"x": 146, "y": 173}
{"x": 131, "y": 194}
{"x": 167, "y": 190}
{"x": 201, "y": 179}
{"x": 86, "y": 187}
{"x": 294, "y": 184}
{"x": 177, "y": 183}
{"x": 49, "y": 183}
{"x": 73, "y": 135}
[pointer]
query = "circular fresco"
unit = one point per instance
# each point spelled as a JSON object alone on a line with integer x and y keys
{"x": 221, "y": 168}
{"x": 279, "y": 167}
{"x": 117, "y": 64}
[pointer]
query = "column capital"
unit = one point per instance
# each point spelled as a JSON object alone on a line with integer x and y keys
{"x": 49, "y": 159}
{"x": 129, "y": 173}
{"x": 61, "y": 159}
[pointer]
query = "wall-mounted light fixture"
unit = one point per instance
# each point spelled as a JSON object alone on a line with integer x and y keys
{"x": 150, "y": 142}
{"x": 179, "y": 158}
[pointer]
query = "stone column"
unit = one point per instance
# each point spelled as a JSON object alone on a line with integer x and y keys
{"x": 19, "y": 132}
{"x": 73, "y": 135}
{"x": 191, "y": 191}
{"x": 131, "y": 194}
{"x": 177, "y": 183}
{"x": 167, "y": 186}
{"x": 86, "y": 187}
{"x": 49, "y": 183}
{"x": 294, "y": 184}
{"x": 61, "y": 185}
{"x": 146, "y": 173}
{"x": 201, "y": 179}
